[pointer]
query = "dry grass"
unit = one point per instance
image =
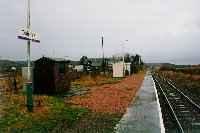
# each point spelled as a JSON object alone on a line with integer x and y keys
{"x": 6, "y": 84}
{"x": 89, "y": 81}
{"x": 175, "y": 75}
{"x": 189, "y": 82}
{"x": 40, "y": 111}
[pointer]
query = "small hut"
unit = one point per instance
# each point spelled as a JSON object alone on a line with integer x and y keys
{"x": 118, "y": 70}
{"x": 50, "y": 76}
{"x": 121, "y": 69}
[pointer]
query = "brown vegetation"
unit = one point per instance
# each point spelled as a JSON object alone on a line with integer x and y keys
{"x": 94, "y": 80}
{"x": 187, "y": 81}
{"x": 7, "y": 83}
{"x": 112, "y": 98}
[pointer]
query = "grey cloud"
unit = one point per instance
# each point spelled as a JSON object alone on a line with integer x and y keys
{"x": 160, "y": 30}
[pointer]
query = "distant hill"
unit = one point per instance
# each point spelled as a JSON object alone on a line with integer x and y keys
{"x": 170, "y": 65}
{"x": 5, "y": 65}
{"x": 159, "y": 64}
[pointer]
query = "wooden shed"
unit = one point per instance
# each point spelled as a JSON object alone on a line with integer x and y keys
{"x": 50, "y": 76}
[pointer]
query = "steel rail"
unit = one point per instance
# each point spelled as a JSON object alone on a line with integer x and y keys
{"x": 171, "y": 108}
{"x": 189, "y": 99}
{"x": 184, "y": 95}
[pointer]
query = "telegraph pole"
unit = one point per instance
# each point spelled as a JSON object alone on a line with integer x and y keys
{"x": 103, "y": 62}
{"x": 123, "y": 52}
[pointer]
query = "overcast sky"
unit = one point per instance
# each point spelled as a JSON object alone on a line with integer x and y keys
{"x": 159, "y": 30}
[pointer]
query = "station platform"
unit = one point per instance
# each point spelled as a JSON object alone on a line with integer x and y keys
{"x": 144, "y": 113}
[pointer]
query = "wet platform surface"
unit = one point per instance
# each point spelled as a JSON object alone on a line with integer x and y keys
{"x": 143, "y": 115}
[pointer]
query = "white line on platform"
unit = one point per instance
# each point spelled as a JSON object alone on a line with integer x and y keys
{"x": 162, "y": 128}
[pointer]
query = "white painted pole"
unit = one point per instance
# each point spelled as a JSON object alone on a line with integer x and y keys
{"x": 28, "y": 42}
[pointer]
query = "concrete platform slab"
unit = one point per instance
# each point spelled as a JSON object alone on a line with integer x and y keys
{"x": 144, "y": 114}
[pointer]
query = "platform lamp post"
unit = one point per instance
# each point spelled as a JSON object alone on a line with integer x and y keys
{"x": 27, "y": 34}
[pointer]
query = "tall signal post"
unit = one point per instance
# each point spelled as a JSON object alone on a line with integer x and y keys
{"x": 27, "y": 34}
{"x": 29, "y": 89}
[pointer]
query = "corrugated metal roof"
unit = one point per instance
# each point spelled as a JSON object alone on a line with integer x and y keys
{"x": 54, "y": 59}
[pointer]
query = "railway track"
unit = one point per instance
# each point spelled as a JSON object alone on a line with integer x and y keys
{"x": 181, "y": 114}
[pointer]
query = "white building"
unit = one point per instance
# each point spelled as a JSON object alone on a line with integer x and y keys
{"x": 127, "y": 68}
{"x": 120, "y": 69}
{"x": 78, "y": 68}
